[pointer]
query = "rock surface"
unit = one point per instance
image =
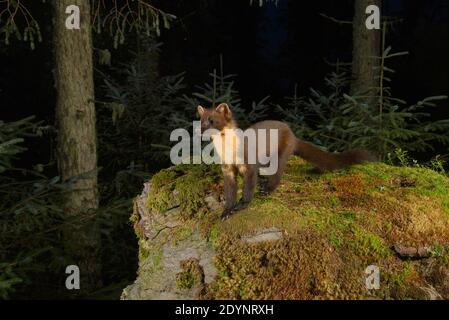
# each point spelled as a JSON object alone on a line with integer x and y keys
{"x": 270, "y": 234}
{"x": 312, "y": 239}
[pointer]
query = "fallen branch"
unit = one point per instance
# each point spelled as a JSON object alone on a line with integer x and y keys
{"x": 412, "y": 252}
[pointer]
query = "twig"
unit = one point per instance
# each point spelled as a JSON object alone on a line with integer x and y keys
{"x": 335, "y": 20}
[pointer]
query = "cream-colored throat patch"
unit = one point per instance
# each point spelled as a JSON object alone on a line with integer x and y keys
{"x": 229, "y": 146}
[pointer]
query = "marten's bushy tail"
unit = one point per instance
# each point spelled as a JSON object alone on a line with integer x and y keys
{"x": 331, "y": 161}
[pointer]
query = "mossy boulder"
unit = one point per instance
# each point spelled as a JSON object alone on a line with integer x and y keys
{"x": 313, "y": 238}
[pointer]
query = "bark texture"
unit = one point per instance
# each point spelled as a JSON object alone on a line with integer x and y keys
{"x": 77, "y": 147}
{"x": 366, "y": 44}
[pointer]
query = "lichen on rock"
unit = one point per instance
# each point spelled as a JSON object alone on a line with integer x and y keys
{"x": 311, "y": 239}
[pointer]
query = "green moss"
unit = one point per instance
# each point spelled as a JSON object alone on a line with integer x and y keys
{"x": 161, "y": 199}
{"x": 134, "y": 219}
{"x": 164, "y": 177}
{"x": 446, "y": 207}
{"x": 299, "y": 168}
{"x": 134, "y": 216}
{"x": 150, "y": 255}
{"x": 388, "y": 226}
{"x": 367, "y": 244}
{"x": 183, "y": 232}
{"x": 441, "y": 252}
{"x": 337, "y": 224}
{"x": 183, "y": 186}
{"x": 428, "y": 182}
{"x": 214, "y": 235}
{"x": 445, "y": 259}
{"x": 334, "y": 201}
{"x": 348, "y": 215}
{"x": 191, "y": 274}
{"x": 399, "y": 278}
{"x": 376, "y": 170}
{"x": 185, "y": 280}
{"x": 334, "y": 225}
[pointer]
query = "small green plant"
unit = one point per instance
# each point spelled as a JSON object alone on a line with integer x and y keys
{"x": 32, "y": 218}
{"x": 399, "y": 156}
{"x": 437, "y": 164}
{"x": 140, "y": 111}
{"x": 191, "y": 274}
{"x": 378, "y": 122}
{"x": 29, "y": 212}
{"x": 221, "y": 89}
{"x": 402, "y": 158}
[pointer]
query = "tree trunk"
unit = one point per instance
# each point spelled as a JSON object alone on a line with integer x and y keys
{"x": 366, "y": 45}
{"x": 77, "y": 146}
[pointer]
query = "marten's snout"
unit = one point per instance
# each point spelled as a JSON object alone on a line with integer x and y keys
{"x": 205, "y": 125}
{"x": 199, "y": 130}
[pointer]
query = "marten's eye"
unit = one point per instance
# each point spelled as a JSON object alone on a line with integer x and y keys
{"x": 211, "y": 121}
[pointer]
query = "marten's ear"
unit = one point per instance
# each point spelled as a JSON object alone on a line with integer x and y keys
{"x": 224, "y": 109}
{"x": 200, "y": 110}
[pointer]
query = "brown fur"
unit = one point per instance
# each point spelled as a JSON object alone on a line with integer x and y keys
{"x": 220, "y": 118}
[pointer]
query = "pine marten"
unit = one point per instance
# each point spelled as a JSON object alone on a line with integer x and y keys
{"x": 221, "y": 119}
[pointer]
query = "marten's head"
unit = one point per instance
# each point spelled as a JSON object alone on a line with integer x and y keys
{"x": 219, "y": 118}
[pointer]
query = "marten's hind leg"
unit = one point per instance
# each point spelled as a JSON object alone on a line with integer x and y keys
{"x": 274, "y": 180}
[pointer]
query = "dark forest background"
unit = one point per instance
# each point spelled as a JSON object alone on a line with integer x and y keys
{"x": 264, "y": 59}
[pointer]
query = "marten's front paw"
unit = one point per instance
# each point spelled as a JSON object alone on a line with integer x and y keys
{"x": 266, "y": 190}
{"x": 241, "y": 205}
